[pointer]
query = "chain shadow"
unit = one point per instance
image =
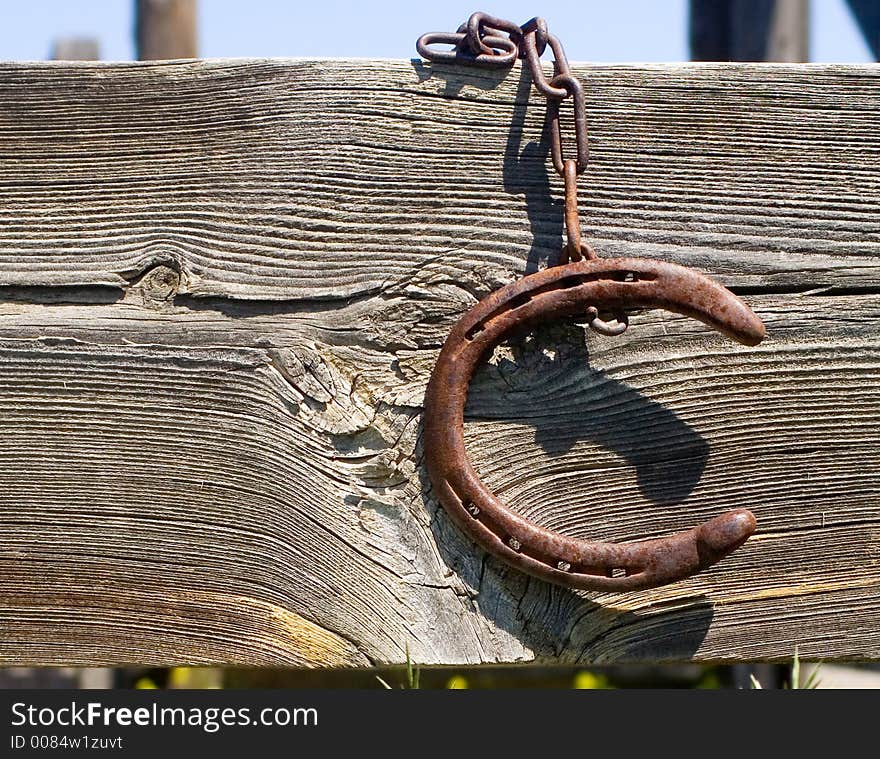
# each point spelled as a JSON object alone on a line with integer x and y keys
{"x": 668, "y": 455}
{"x": 525, "y": 173}
{"x": 525, "y": 168}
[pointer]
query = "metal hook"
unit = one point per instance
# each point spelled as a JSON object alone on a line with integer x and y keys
{"x": 559, "y": 292}
{"x": 607, "y": 328}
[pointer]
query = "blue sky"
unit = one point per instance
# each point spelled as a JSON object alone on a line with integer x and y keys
{"x": 591, "y": 30}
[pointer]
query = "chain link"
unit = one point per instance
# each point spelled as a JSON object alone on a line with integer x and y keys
{"x": 481, "y": 42}
{"x": 491, "y": 42}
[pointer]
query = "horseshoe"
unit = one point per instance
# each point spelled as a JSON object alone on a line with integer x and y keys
{"x": 564, "y": 291}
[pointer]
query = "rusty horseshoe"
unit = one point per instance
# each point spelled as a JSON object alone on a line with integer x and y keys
{"x": 583, "y": 285}
{"x": 612, "y": 284}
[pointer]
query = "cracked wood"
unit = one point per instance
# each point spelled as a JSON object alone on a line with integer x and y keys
{"x": 223, "y": 286}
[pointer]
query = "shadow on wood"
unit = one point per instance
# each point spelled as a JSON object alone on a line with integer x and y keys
{"x": 668, "y": 454}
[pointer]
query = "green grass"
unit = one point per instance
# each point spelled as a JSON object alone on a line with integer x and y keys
{"x": 811, "y": 683}
{"x": 412, "y": 675}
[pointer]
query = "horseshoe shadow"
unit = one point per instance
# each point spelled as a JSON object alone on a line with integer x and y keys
{"x": 524, "y": 169}
{"x": 552, "y": 363}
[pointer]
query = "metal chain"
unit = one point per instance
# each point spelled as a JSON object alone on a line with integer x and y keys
{"x": 481, "y": 41}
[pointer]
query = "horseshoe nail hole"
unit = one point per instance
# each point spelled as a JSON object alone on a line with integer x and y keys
{"x": 633, "y": 276}
{"x": 617, "y": 572}
{"x": 473, "y": 331}
{"x": 563, "y": 566}
{"x": 472, "y": 509}
{"x": 514, "y": 544}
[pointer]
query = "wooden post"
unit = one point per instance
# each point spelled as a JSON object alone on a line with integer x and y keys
{"x": 76, "y": 49}
{"x": 867, "y": 15}
{"x": 749, "y": 30}
{"x": 166, "y": 29}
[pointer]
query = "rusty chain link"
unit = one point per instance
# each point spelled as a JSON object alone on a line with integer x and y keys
{"x": 491, "y": 42}
{"x": 480, "y": 42}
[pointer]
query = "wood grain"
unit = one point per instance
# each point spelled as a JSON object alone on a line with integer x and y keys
{"x": 223, "y": 286}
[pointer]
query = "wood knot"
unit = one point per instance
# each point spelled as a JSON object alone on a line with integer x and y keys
{"x": 157, "y": 287}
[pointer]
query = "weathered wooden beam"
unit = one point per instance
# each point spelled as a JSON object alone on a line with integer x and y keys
{"x": 223, "y": 286}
